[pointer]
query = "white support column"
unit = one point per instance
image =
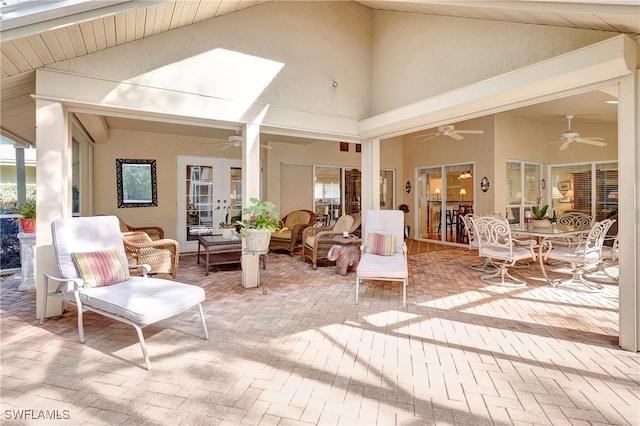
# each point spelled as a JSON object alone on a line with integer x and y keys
{"x": 251, "y": 187}
{"x": 21, "y": 182}
{"x": 629, "y": 211}
{"x": 370, "y": 165}
{"x": 54, "y": 183}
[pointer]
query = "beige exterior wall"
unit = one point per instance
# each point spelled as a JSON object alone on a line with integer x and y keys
{"x": 416, "y": 56}
{"x": 146, "y": 146}
{"x": 241, "y": 67}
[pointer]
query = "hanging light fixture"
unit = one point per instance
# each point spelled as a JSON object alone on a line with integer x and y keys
{"x": 465, "y": 174}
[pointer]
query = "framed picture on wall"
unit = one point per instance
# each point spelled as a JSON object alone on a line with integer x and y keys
{"x": 564, "y": 186}
{"x": 137, "y": 183}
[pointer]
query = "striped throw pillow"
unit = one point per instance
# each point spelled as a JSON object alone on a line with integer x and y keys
{"x": 100, "y": 268}
{"x": 381, "y": 244}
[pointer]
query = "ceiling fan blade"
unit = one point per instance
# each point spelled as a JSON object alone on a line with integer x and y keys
{"x": 471, "y": 132}
{"x": 428, "y": 135}
{"x": 433, "y": 135}
{"x": 591, "y": 142}
{"x": 455, "y": 136}
{"x": 565, "y": 145}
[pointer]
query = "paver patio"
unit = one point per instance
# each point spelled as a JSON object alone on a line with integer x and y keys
{"x": 462, "y": 352}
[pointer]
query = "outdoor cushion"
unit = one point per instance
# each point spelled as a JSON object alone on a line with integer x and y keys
{"x": 373, "y": 267}
{"x": 143, "y": 300}
{"x": 343, "y": 224}
{"x": 100, "y": 268}
{"x": 285, "y": 235}
{"x": 296, "y": 218}
{"x": 381, "y": 244}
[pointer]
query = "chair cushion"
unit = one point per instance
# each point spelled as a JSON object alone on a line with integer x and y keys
{"x": 297, "y": 217}
{"x": 100, "y": 268}
{"x": 343, "y": 224}
{"x": 143, "y": 300}
{"x": 281, "y": 235}
{"x": 381, "y": 244}
{"x": 372, "y": 266}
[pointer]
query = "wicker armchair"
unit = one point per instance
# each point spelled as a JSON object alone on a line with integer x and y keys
{"x": 317, "y": 241}
{"x": 162, "y": 255}
{"x": 295, "y": 222}
{"x": 154, "y": 232}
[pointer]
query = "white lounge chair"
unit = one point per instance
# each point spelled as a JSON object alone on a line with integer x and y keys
{"x": 94, "y": 276}
{"x": 384, "y": 252}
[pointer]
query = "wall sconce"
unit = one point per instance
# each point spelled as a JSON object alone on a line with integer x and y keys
{"x": 334, "y": 84}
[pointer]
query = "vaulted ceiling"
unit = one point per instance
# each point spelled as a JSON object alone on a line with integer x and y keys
{"x": 31, "y": 41}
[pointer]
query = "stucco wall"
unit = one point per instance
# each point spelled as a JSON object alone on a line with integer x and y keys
{"x": 273, "y": 63}
{"x": 416, "y": 56}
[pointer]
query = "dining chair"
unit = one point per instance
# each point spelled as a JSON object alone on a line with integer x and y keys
{"x": 496, "y": 243}
{"x": 384, "y": 251}
{"x": 467, "y": 220}
{"x": 582, "y": 257}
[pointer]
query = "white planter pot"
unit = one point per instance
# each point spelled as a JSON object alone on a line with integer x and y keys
{"x": 541, "y": 223}
{"x": 228, "y": 232}
{"x": 257, "y": 240}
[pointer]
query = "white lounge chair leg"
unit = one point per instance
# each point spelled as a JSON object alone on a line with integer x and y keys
{"x": 147, "y": 361}
{"x": 76, "y": 295}
{"x": 46, "y": 296}
{"x": 404, "y": 294}
{"x": 204, "y": 324}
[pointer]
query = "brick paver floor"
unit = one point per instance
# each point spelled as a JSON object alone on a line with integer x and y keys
{"x": 463, "y": 352}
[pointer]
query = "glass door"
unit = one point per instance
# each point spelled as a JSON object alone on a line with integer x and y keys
{"x": 524, "y": 189}
{"x": 210, "y": 189}
{"x": 445, "y": 194}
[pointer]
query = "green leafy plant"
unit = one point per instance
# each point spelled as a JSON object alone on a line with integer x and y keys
{"x": 262, "y": 215}
{"x": 27, "y": 209}
{"x": 539, "y": 212}
{"x": 226, "y": 223}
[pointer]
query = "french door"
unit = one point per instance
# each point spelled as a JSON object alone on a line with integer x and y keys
{"x": 209, "y": 189}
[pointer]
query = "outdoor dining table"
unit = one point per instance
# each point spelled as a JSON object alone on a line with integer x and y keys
{"x": 543, "y": 235}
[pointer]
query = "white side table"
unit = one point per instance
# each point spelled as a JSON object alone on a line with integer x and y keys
{"x": 27, "y": 260}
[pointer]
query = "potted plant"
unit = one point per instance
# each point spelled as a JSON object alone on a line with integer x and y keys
{"x": 540, "y": 220}
{"x": 28, "y": 212}
{"x": 228, "y": 228}
{"x": 407, "y": 229}
{"x": 260, "y": 220}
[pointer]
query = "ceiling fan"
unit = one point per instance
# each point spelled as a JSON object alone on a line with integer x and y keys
{"x": 570, "y": 136}
{"x": 450, "y": 131}
{"x": 233, "y": 142}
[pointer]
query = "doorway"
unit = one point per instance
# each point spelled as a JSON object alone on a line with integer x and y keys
{"x": 209, "y": 192}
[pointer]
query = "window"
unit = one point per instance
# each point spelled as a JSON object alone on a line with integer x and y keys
{"x": 576, "y": 187}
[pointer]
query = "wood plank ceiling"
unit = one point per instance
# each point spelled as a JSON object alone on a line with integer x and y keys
{"x": 26, "y": 48}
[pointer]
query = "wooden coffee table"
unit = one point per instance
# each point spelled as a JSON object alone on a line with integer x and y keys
{"x": 218, "y": 250}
